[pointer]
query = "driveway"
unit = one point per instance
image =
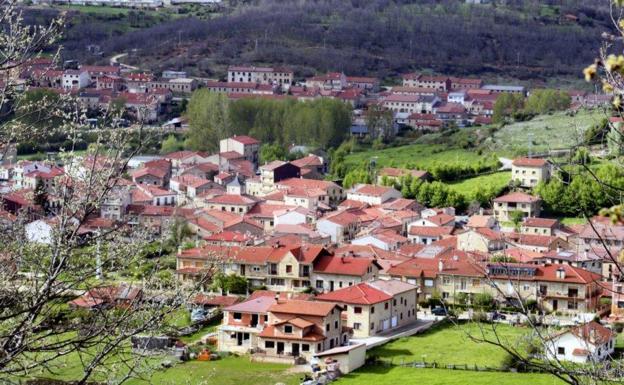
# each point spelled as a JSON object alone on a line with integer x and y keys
{"x": 390, "y": 335}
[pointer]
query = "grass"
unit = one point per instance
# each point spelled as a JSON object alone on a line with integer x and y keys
{"x": 227, "y": 371}
{"x": 421, "y": 156}
{"x": 554, "y": 131}
{"x": 569, "y": 221}
{"x": 208, "y": 328}
{"x": 470, "y": 186}
{"x": 449, "y": 344}
{"x": 379, "y": 375}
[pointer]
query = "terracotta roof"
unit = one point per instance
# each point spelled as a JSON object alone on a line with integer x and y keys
{"x": 259, "y": 304}
{"x": 371, "y": 190}
{"x": 540, "y": 222}
{"x": 531, "y": 239}
{"x": 265, "y": 210}
{"x": 273, "y": 165}
{"x": 342, "y": 218}
{"x": 479, "y": 220}
{"x": 330, "y": 264}
{"x": 529, "y": 162}
{"x": 516, "y": 197}
{"x": 415, "y": 267}
{"x": 360, "y": 294}
{"x": 269, "y": 332}
{"x": 244, "y": 139}
{"x": 301, "y": 307}
{"x": 215, "y": 300}
{"x": 306, "y": 183}
{"x": 232, "y": 199}
{"x": 308, "y": 161}
{"x": 430, "y": 231}
{"x": 441, "y": 219}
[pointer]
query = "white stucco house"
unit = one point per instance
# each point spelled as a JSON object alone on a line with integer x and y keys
{"x": 591, "y": 342}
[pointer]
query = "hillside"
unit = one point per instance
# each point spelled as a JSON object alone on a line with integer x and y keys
{"x": 522, "y": 39}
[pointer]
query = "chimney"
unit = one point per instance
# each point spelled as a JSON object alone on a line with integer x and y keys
{"x": 440, "y": 266}
{"x": 561, "y": 273}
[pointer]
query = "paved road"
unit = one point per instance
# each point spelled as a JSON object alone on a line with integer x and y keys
{"x": 404, "y": 331}
{"x": 506, "y": 163}
{"x": 115, "y": 61}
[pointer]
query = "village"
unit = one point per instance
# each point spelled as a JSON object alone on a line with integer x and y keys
{"x": 329, "y": 272}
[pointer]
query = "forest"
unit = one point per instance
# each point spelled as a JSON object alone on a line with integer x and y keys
{"x": 527, "y": 39}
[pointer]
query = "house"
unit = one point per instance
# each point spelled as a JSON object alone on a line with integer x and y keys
{"x": 335, "y": 81}
{"x": 262, "y": 75}
{"x": 438, "y": 83}
{"x": 363, "y": 83}
{"x": 371, "y": 194}
{"x": 340, "y": 226}
{"x": 175, "y": 85}
{"x": 242, "y": 322}
{"x": 231, "y": 202}
{"x": 312, "y": 163}
{"x": 588, "y": 343}
{"x": 539, "y": 226}
{"x": 154, "y": 176}
{"x": 394, "y": 174}
{"x": 300, "y": 328}
{"x": 426, "y": 235}
{"x": 410, "y": 104}
{"x": 270, "y": 174}
{"x": 465, "y": 83}
{"x": 505, "y": 205}
{"x": 153, "y": 195}
{"x": 244, "y": 145}
{"x": 499, "y": 89}
{"x": 75, "y": 79}
{"x": 386, "y": 240}
{"x": 537, "y": 243}
{"x": 424, "y": 122}
{"x": 331, "y": 195}
{"x": 587, "y": 261}
{"x": 332, "y": 272}
{"x": 376, "y": 306}
{"x": 617, "y": 294}
{"x": 528, "y": 172}
{"x": 481, "y": 239}
{"x": 189, "y": 186}
{"x": 479, "y": 220}
{"x": 601, "y": 232}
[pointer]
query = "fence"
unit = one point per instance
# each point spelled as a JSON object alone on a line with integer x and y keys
{"x": 441, "y": 365}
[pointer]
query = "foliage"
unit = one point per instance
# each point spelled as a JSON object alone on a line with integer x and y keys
{"x": 483, "y": 301}
{"x": 585, "y": 193}
{"x": 356, "y": 176}
{"x": 208, "y": 120}
{"x": 516, "y": 217}
{"x": 234, "y": 284}
{"x": 542, "y": 101}
{"x": 615, "y": 140}
{"x": 380, "y": 122}
{"x": 507, "y": 105}
{"x": 270, "y": 152}
{"x": 171, "y": 144}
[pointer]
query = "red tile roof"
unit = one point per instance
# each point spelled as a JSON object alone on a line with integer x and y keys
{"x": 541, "y": 222}
{"x": 330, "y": 264}
{"x": 430, "y": 231}
{"x": 529, "y": 162}
{"x": 360, "y": 294}
{"x": 517, "y": 197}
{"x": 301, "y": 307}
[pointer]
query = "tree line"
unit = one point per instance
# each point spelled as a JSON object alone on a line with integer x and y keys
{"x": 541, "y": 101}
{"x": 323, "y": 123}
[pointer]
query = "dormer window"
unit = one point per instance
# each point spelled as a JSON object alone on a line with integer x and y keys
{"x": 288, "y": 329}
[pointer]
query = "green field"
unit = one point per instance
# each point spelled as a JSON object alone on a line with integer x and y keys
{"x": 470, "y": 186}
{"x": 379, "y": 375}
{"x": 554, "y": 131}
{"x": 228, "y": 371}
{"x": 420, "y": 156}
{"x": 450, "y": 344}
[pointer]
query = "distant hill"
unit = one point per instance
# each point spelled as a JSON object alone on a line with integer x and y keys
{"x": 527, "y": 39}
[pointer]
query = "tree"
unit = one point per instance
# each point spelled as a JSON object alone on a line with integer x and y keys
{"x": 615, "y": 140}
{"x": 507, "y": 105}
{"x": 547, "y": 100}
{"x": 38, "y": 282}
{"x": 516, "y": 217}
{"x": 209, "y": 120}
{"x": 171, "y": 144}
{"x": 380, "y": 122}
{"x": 271, "y": 152}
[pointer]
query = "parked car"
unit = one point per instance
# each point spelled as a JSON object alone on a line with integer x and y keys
{"x": 439, "y": 311}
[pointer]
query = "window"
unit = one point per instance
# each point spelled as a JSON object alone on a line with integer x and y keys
{"x": 269, "y": 344}
{"x": 289, "y": 268}
{"x": 446, "y": 280}
{"x": 386, "y": 306}
{"x": 357, "y": 310}
{"x": 357, "y": 326}
{"x": 428, "y": 282}
{"x": 288, "y": 329}
{"x": 561, "y": 350}
{"x": 445, "y": 295}
{"x": 237, "y": 316}
{"x": 372, "y": 326}
{"x": 327, "y": 327}
{"x": 372, "y": 309}
{"x": 394, "y": 302}
{"x": 319, "y": 347}
{"x": 476, "y": 282}
{"x": 305, "y": 348}
{"x": 319, "y": 284}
